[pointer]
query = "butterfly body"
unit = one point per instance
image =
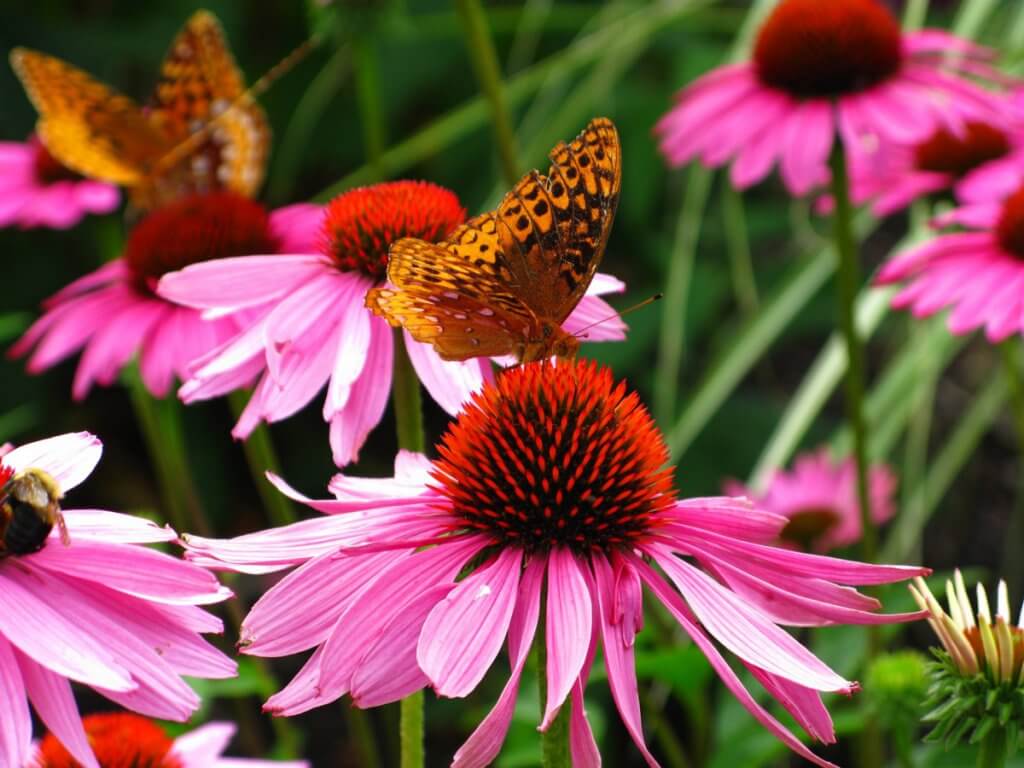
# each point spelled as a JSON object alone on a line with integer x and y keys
{"x": 505, "y": 281}
{"x": 100, "y": 133}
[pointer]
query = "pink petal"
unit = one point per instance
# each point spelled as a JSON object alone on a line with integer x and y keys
{"x": 55, "y": 704}
{"x": 603, "y": 283}
{"x": 297, "y": 228}
{"x": 243, "y": 281}
{"x": 483, "y": 745}
{"x": 450, "y": 382}
{"x": 204, "y": 745}
{"x": 802, "y": 703}
{"x": 594, "y": 319}
{"x": 114, "y": 527}
{"x": 15, "y": 720}
{"x": 582, "y": 744}
{"x": 68, "y": 458}
{"x": 808, "y": 142}
{"x": 368, "y": 397}
{"x": 353, "y": 347}
{"x": 731, "y": 516}
{"x": 570, "y": 617}
{"x": 464, "y": 632}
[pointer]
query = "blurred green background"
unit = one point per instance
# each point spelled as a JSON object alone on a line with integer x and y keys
{"x": 748, "y": 345}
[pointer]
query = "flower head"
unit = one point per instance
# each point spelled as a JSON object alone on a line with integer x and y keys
{"x": 313, "y": 328}
{"x": 96, "y": 608}
{"x": 978, "y": 273}
{"x": 551, "y": 481}
{"x": 818, "y": 70}
{"x": 113, "y": 312}
{"x": 37, "y": 191}
{"x": 123, "y": 740}
{"x": 818, "y": 497}
{"x": 978, "y": 683}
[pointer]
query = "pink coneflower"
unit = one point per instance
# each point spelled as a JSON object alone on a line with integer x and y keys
{"x": 121, "y": 740}
{"x": 978, "y": 273}
{"x": 114, "y": 312}
{"x": 894, "y": 175}
{"x": 37, "y": 191}
{"x": 317, "y": 330}
{"x": 552, "y": 480}
{"x": 819, "y": 68}
{"x": 86, "y": 602}
{"x": 818, "y": 498}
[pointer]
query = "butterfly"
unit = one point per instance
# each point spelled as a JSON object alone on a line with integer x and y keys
{"x": 100, "y": 133}
{"x": 504, "y": 282}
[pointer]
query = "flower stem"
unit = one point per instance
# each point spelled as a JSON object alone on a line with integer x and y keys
{"x": 262, "y": 458}
{"x": 1012, "y": 568}
{"x": 405, "y": 398}
{"x": 993, "y": 750}
{"x": 488, "y": 73}
{"x": 554, "y": 742}
{"x": 161, "y": 426}
{"x": 848, "y": 279}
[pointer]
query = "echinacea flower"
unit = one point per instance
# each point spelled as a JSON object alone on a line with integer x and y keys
{"x": 977, "y": 687}
{"x": 977, "y": 273}
{"x": 820, "y": 69}
{"x": 114, "y": 313}
{"x": 553, "y": 480}
{"x": 123, "y": 740}
{"x": 91, "y": 605}
{"x": 37, "y": 191}
{"x": 818, "y": 498}
{"x": 894, "y": 175}
{"x": 317, "y": 329}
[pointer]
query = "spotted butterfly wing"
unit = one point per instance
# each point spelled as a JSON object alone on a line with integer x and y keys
{"x": 86, "y": 126}
{"x": 503, "y": 283}
{"x": 199, "y": 82}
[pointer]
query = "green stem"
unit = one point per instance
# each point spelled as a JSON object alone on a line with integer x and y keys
{"x": 262, "y": 458}
{"x": 361, "y": 733}
{"x": 744, "y": 284}
{"x": 488, "y": 74}
{"x": 1012, "y": 567}
{"x": 405, "y": 399}
{"x": 161, "y": 426}
{"x": 371, "y": 111}
{"x": 554, "y": 742}
{"x": 848, "y": 283}
{"x": 993, "y": 750}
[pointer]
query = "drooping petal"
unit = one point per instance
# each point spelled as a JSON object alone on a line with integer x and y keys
{"x": 55, "y": 704}
{"x": 15, "y": 720}
{"x": 68, "y": 458}
{"x": 569, "y": 616}
{"x": 203, "y": 745}
{"x": 450, "y": 382}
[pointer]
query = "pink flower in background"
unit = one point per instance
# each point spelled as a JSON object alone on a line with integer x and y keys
{"x": 37, "y": 191}
{"x": 818, "y": 497}
{"x": 822, "y": 69}
{"x": 113, "y": 314}
{"x": 120, "y": 740}
{"x": 317, "y": 330}
{"x": 98, "y": 609}
{"x": 552, "y": 480}
{"x": 977, "y": 273}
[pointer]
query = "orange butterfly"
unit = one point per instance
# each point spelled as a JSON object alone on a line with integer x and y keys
{"x": 100, "y": 133}
{"x": 504, "y": 282}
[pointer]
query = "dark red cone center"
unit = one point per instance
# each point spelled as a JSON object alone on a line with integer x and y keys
{"x": 821, "y": 48}
{"x": 360, "y": 225}
{"x": 807, "y": 526}
{"x": 1010, "y": 227}
{"x": 555, "y": 455}
{"x": 196, "y": 228}
{"x": 945, "y": 152}
{"x": 119, "y": 740}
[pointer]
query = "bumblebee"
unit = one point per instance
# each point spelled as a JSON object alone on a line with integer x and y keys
{"x": 29, "y": 509}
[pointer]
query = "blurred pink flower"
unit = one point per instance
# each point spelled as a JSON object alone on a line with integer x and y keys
{"x": 316, "y": 329}
{"x": 101, "y": 610}
{"x": 977, "y": 273}
{"x": 818, "y": 69}
{"x": 37, "y": 191}
{"x": 552, "y": 473}
{"x": 120, "y": 739}
{"x": 819, "y": 500}
{"x": 114, "y": 312}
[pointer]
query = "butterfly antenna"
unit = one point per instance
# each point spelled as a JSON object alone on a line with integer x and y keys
{"x": 257, "y": 89}
{"x": 581, "y": 333}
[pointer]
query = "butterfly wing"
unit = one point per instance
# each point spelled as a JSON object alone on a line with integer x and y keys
{"x": 457, "y": 295}
{"x": 199, "y": 83}
{"x": 554, "y": 228}
{"x": 85, "y": 125}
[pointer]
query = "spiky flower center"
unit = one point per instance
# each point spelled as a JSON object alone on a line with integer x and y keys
{"x": 201, "y": 227}
{"x": 361, "y": 224}
{"x": 823, "y": 48}
{"x": 48, "y": 169}
{"x": 806, "y": 526}
{"x": 945, "y": 152}
{"x": 1010, "y": 227}
{"x": 555, "y": 455}
{"x": 119, "y": 741}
